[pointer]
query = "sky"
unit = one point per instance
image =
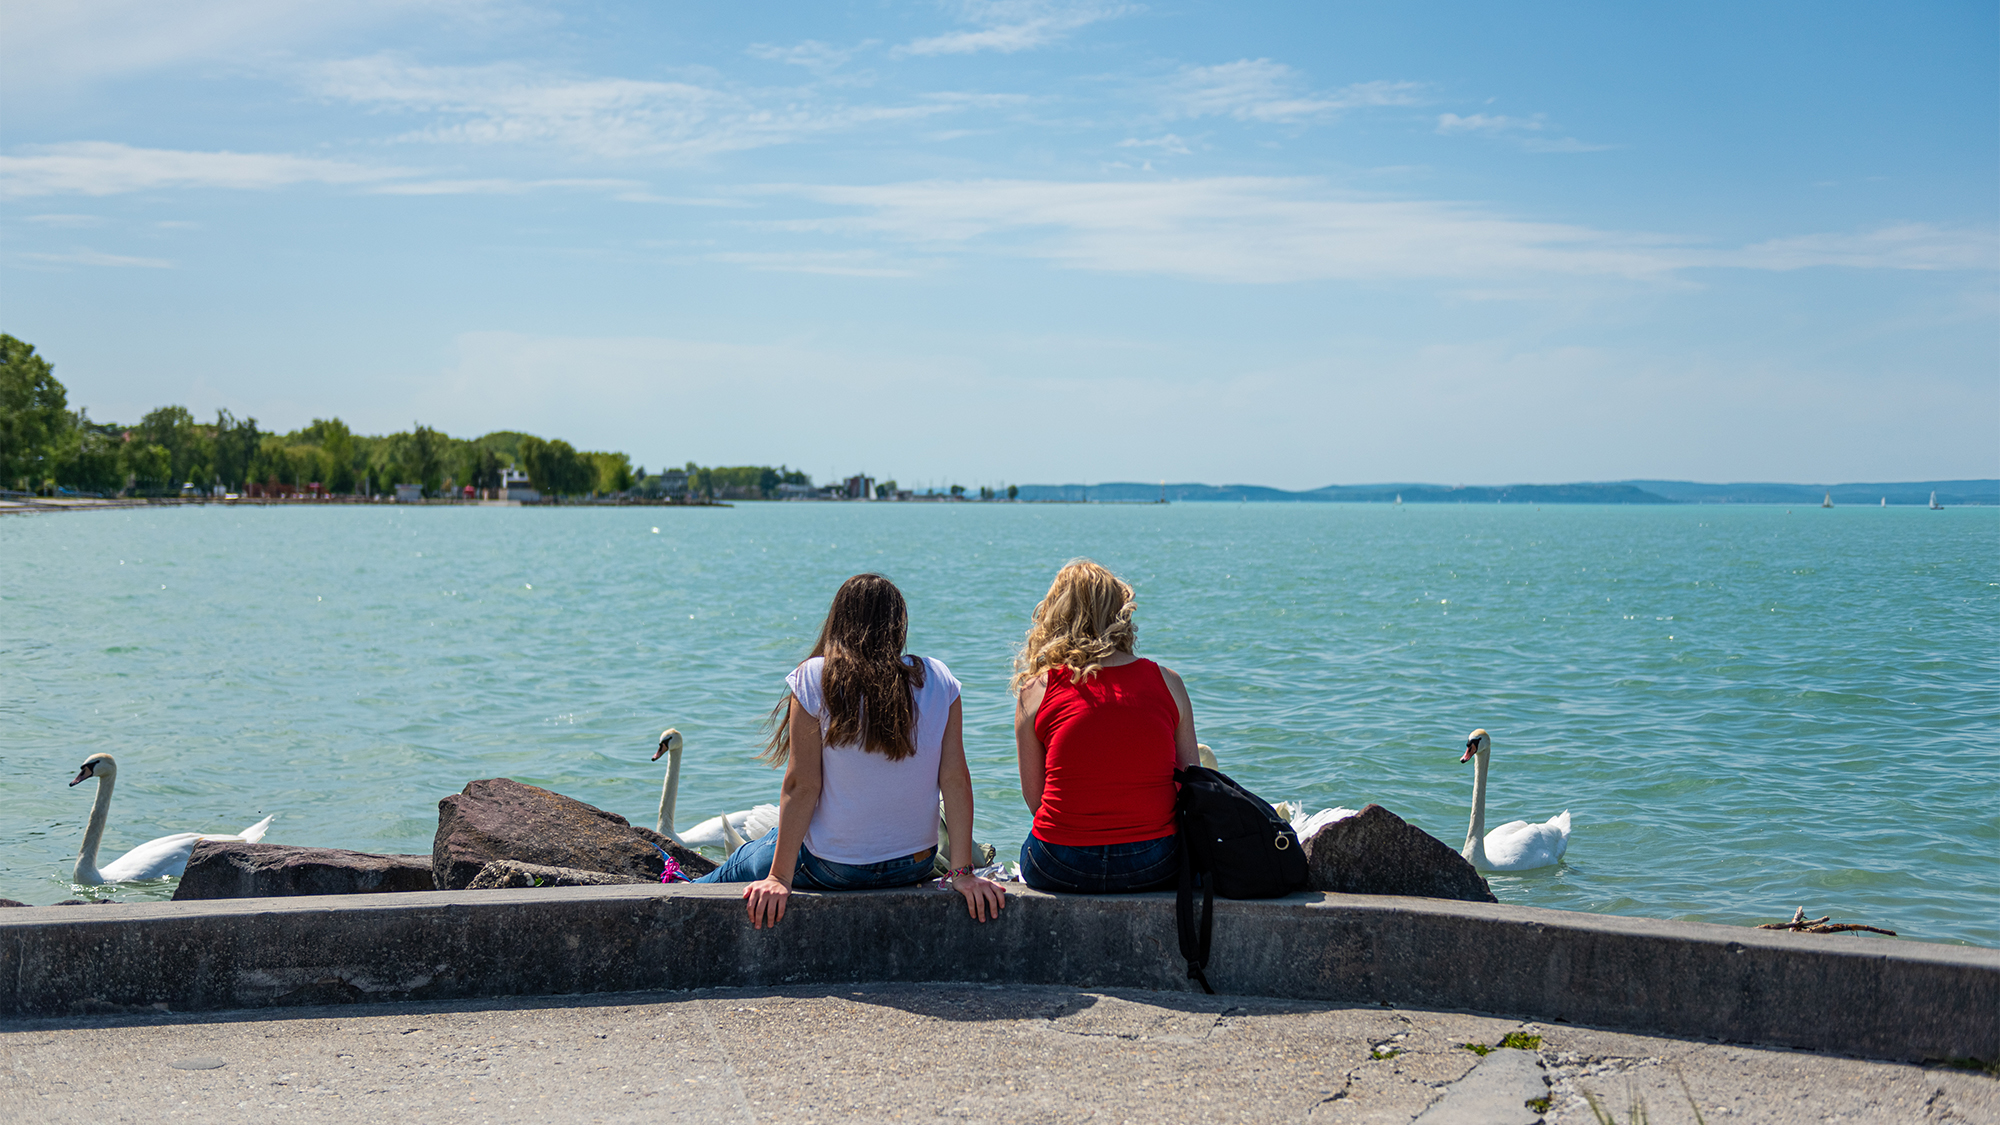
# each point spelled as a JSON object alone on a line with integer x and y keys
{"x": 1032, "y": 241}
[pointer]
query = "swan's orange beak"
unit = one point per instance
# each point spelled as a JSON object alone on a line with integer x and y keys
{"x": 1471, "y": 748}
{"x": 86, "y": 771}
{"x": 660, "y": 751}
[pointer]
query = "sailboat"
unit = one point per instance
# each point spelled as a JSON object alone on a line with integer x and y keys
{"x": 1885, "y": 501}
{"x": 1828, "y": 502}
{"x": 1935, "y": 506}
{"x": 1399, "y": 498}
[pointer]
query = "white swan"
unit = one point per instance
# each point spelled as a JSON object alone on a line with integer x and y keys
{"x": 1517, "y": 845}
{"x": 1304, "y": 824}
{"x": 153, "y": 859}
{"x": 716, "y": 831}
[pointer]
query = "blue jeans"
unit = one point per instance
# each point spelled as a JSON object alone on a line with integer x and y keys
{"x": 752, "y": 862}
{"x": 1148, "y": 865}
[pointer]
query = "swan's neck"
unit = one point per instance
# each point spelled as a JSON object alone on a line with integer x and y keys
{"x": 100, "y": 810}
{"x": 1475, "y": 833}
{"x": 669, "y": 790}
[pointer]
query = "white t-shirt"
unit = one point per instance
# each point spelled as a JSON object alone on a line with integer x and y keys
{"x": 870, "y": 808}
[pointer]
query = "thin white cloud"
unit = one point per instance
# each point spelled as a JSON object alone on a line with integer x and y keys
{"x": 1270, "y": 230}
{"x": 815, "y": 56}
{"x": 1262, "y": 90}
{"x": 835, "y": 263}
{"x": 608, "y": 117}
{"x": 1007, "y": 26}
{"x": 1486, "y": 123}
{"x": 108, "y": 168}
{"x": 505, "y": 187}
{"x": 86, "y": 257}
{"x": 64, "y": 43}
{"x": 67, "y": 220}
{"x": 1905, "y": 246}
{"x": 1169, "y": 144}
{"x": 1528, "y": 132}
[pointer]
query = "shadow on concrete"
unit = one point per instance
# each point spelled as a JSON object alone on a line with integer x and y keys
{"x": 968, "y": 1002}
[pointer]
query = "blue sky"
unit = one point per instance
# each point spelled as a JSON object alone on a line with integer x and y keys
{"x": 1286, "y": 244}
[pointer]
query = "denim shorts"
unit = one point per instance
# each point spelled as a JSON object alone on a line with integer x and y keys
{"x": 752, "y": 862}
{"x": 1148, "y": 865}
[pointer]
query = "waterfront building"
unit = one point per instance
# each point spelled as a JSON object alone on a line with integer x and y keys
{"x": 514, "y": 486}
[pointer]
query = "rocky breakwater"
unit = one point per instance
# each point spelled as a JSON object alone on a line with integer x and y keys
{"x": 499, "y": 820}
{"x": 1376, "y": 852}
{"x": 497, "y": 833}
{"x": 234, "y": 869}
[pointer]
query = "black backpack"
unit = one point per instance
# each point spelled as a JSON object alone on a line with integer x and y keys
{"x": 1237, "y": 846}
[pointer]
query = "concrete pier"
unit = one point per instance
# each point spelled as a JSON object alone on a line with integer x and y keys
{"x": 869, "y": 1053}
{"x": 1860, "y": 996}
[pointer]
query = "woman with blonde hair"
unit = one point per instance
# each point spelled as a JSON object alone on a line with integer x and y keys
{"x": 1099, "y": 732}
{"x": 870, "y": 738}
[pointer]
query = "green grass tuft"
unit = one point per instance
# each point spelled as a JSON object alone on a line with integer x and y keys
{"x": 1990, "y": 1068}
{"x": 1479, "y": 1049}
{"x": 1521, "y": 1041}
{"x": 1539, "y": 1105}
{"x": 1385, "y": 1052}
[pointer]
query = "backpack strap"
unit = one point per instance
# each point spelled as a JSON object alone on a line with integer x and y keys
{"x": 1194, "y": 944}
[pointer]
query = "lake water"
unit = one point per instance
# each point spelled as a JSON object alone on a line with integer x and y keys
{"x": 1745, "y": 709}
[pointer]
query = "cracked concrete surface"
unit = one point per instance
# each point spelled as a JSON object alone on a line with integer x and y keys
{"x": 870, "y": 1053}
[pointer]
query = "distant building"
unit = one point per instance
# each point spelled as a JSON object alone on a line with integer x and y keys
{"x": 795, "y": 491}
{"x": 409, "y": 493}
{"x": 860, "y": 487}
{"x": 674, "y": 482}
{"x": 514, "y": 486}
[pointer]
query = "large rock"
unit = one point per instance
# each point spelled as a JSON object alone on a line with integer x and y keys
{"x": 498, "y": 818}
{"x": 234, "y": 869}
{"x": 1376, "y": 852}
{"x": 513, "y": 873}
{"x": 11, "y": 902}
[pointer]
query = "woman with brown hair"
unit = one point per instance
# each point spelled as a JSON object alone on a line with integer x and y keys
{"x": 870, "y": 737}
{"x": 1099, "y": 732}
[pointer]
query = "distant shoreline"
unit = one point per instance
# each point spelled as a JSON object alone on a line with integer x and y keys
{"x": 1950, "y": 493}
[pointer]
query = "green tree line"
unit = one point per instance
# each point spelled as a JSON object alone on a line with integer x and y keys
{"x": 45, "y": 446}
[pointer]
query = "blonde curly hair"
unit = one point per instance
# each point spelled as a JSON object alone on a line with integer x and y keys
{"x": 1085, "y": 617}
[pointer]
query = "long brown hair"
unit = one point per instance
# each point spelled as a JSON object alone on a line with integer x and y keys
{"x": 1085, "y": 617}
{"x": 869, "y": 689}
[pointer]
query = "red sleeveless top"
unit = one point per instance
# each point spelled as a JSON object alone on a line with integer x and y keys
{"x": 1110, "y": 744}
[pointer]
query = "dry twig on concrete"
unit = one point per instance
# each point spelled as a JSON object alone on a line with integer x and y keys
{"x": 1800, "y": 924}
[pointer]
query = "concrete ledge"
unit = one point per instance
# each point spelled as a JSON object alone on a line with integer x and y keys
{"x": 1856, "y": 995}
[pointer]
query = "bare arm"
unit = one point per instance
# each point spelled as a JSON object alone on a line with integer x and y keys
{"x": 983, "y": 898}
{"x": 766, "y": 897}
{"x": 1028, "y": 748}
{"x": 1186, "y": 752}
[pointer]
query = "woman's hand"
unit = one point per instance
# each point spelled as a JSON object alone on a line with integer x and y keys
{"x": 983, "y": 897}
{"x": 766, "y": 898}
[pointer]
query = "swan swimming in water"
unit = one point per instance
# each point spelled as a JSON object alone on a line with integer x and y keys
{"x": 153, "y": 859}
{"x": 727, "y": 831}
{"x": 1516, "y": 845}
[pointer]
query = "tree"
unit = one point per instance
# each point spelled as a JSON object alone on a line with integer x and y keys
{"x": 555, "y": 468}
{"x": 610, "y": 472}
{"x": 235, "y": 445}
{"x": 957, "y": 490}
{"x": 88, "y": 461}
{"x": 337, "y": 452}
{"x": 190, "y": 449}
{"x": 33, "y": 418}
{"x": 1013, "y": 492}
{"x": 425, "y": 458}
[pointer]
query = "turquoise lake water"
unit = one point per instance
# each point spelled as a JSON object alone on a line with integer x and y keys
{"x": 1745, "y": 709}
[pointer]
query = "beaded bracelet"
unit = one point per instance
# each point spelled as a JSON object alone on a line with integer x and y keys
{"x": 956, "y": 872}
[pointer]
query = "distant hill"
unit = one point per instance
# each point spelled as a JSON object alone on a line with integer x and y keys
{"x": 1951, "y": 492}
